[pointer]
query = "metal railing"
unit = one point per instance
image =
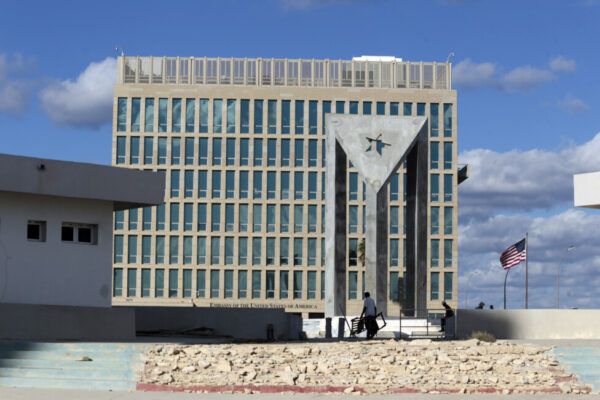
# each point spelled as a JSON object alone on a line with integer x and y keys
{"x": 284, "y": 72}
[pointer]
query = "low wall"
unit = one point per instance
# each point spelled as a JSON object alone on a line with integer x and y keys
{"x": 239, "y": 323}
{"x": 42, "y": 322}
{"x": 530, "y": 324}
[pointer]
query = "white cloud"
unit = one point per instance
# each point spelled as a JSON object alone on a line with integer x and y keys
{"x": 469, "y": 75}
{"x": 563, "y": 64}
{"x": 481, "y": 243}
{"x": 572, "y": 105}
{"x": 523, "y": 181}
{"x": 85, "y": 102}
{"x": 15, "y": 88}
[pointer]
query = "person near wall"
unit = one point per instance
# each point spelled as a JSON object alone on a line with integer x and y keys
{"x": 449, "y": 314}
{"x": 369, "y": 312}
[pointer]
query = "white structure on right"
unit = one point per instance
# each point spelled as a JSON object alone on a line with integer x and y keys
{"x": 586, "y": 189}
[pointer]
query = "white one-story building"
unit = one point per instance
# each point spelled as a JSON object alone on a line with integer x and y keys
{"x": 56, "y": 228}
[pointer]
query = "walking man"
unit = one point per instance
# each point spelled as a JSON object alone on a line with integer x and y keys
{"x": 369, "y": 311}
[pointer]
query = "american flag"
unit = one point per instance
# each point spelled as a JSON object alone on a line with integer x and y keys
{"x": 514, "y": 255}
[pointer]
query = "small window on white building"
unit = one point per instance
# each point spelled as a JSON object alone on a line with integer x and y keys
{"x": 79, "y": 233}
{"x": 36, "y": 231}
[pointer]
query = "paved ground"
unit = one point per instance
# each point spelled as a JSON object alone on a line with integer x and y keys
{"x": 57, "y": 394}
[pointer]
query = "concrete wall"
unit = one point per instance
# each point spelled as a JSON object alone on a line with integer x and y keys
{"x": 39, "y": 322}
{"x": 530, "y": 324}
{"x": 54, "y": 272}
{"x": 241, "y": 323}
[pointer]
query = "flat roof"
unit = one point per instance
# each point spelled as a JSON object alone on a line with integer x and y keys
{"x": 126, "y": 188}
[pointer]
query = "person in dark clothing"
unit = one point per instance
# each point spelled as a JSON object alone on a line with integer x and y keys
{"x": 369, "y": 311}
{"x": 449, "y": 313}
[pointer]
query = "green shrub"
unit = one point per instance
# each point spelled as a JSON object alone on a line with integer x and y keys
{"x": 483, "y": 336}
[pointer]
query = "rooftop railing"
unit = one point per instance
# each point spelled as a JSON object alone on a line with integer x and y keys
{"x": 284, "y": 72}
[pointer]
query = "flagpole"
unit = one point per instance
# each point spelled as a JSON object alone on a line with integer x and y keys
{"x": 526, "y": 270}
{"x": 505, "y": 277}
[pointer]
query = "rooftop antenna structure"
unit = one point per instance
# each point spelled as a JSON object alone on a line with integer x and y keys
{"x": 451, "y": 55}
{"x": 117, "y": 48}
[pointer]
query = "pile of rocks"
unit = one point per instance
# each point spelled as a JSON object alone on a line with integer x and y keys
{"x": 361, "y": 367}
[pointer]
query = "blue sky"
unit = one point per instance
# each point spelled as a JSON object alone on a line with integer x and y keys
{"x": 525, "y": 71}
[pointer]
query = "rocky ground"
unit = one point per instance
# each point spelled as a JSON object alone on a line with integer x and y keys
{"x": 359, "y": 367}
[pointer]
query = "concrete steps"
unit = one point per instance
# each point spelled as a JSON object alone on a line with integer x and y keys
{"x": 583, "y": 362}
{"x": 114, "y": 366}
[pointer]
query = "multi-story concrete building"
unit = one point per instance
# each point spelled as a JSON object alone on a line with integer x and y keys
{"x": 242, "y": 144}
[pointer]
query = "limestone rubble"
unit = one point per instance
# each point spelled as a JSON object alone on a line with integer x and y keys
{"x": 377, "y": 366}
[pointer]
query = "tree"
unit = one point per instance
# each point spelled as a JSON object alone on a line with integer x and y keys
{"x": 361, "y": 252}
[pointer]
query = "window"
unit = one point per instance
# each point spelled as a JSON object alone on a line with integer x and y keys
{"x": 366, "y": 107}
{"x": 176, "y": 115}
{"x": 352, "y": 285}
{"x": 448, "y": 187}
{"x": 312, "y": 185}
{"x": 215, "y": 212}
{"x": 201, "y": 283}
{"x": 299, "y": 116}
{"x": 148, "y": 150}
{"x": 285, "y": 152}
{"x": 36, "y": 231}
{"x": 312, "y": 117}
{"x": 258, "y": 152}
{"x": 257, "y": 217}
{"x": 188, "y": 179}
{"x": 216, "y": 151}
{"x": 326, "y": 105}
{"x": 284, "y": 218}
{"x": 230, "y": 116}
{"x": 353, "y": 252}
{"x": 394, "y": 283}
{"x": 229, "y": 251}
{"x": 298, "y": 218}
{"x": 245, "y": 116}
{"x": 243, "y": 216}
{"x": 420, "y": 108}
{"x": 257, "y": 185}
{"x": 353, "y": 219}
{"x": 243, "y": 185}
{"x": 134, "y": 150}
{"x": 448, "y": 253}
{"x": 79, "y": 233}
{"x": 216, "y": 184}
{"x": 285, "y": 116}
{"x": 175, "y": 150}
{"x": 298, "y": 152}
{"x": 447, "y": 155}
{"x": 228, "y": 284}
{"x": 203, "y": 151}
{"x": 118, "y": 249}
{"x": 297, "y": 284}
{"x": 272, "y": 116}
{"x": 230, "y": 152}
{"x": 323, "y": 284}
{"x": 121, "y": 149}
{"x": 297, "y": 251}
{"x": 173, "y": 249}
{"x": 159, "y": 282}
{"x": 312, "y": 252}
{"x": 256, "y": 251}
{"x": 354, "y": 107}
{"x": 229, "y": 218}
{"x": 133, "y": 219}
{"x": 256, "y": 284}
{"x": 146, "y": 249}
{"x": 131, "y": 282}
{"x": 201, "y": 250}
{"x": 393, "y": 108}
{"x": 270, "y": 292}
{"x": 407, "y": 108}
{"x": 434, "y": 155}
{"x": 242, "y": 284}
{"x": 122, "y": 114}
{"x": 190, "y": 115}
{"x": 118, "y": 282}
{"x": 189, "y": 151}
{"x": 339, "y": 107}
{"x": 258, "y": 116}
{"x": 272, "y": 152}
{"x": 380, "y": 108}
{"x": 394, "y": 188}
{"x": 283, "y": 284}
{"x": 131, "y": 249}
{"x": 243, "y": 251}
{"x": 201, "y": 217}
{"x": 188, "y": 216}
{"x": 312, "y": 284}
{"x": 173, "y": 282}
{"x": 298, "y": 185}
{"x": 434, "y": 293}
{"x": 284, "y": 251}
{"x": 270, "y": 251}
{"x": 312, "y": 152}
{"x": 215, "y": 250}
{"x": 174, "y": 183}
{"x": 435, "y": 253}
{"x": 312, "y": 219}
{"x": 162, "y": 114}
{"x": 285, "y": 185}
{"x": 244, "y": 152}
{"x": 187, "y": 283}
{"x": 162, "y": 150}
{"x": 271, "y": 218}
{"x": 271, "y": 184}
{"x": 174, "y": 216}
{"x": 435, "y": 187}
{"x": 448, "y": 220}
{"x": 119, "y": 220}
{"x": 353, "y": 189}
{"x": 447, "y": 120}
{"x": 393, "y": 252}
{"x": 217, "y": 115}
{"x": 448, "y": 285}
{"x": 214, "y": 283}
{"x": 394, "y": 218}
{"x": 160, "y": 250}
{"x": 435, "y": 221}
